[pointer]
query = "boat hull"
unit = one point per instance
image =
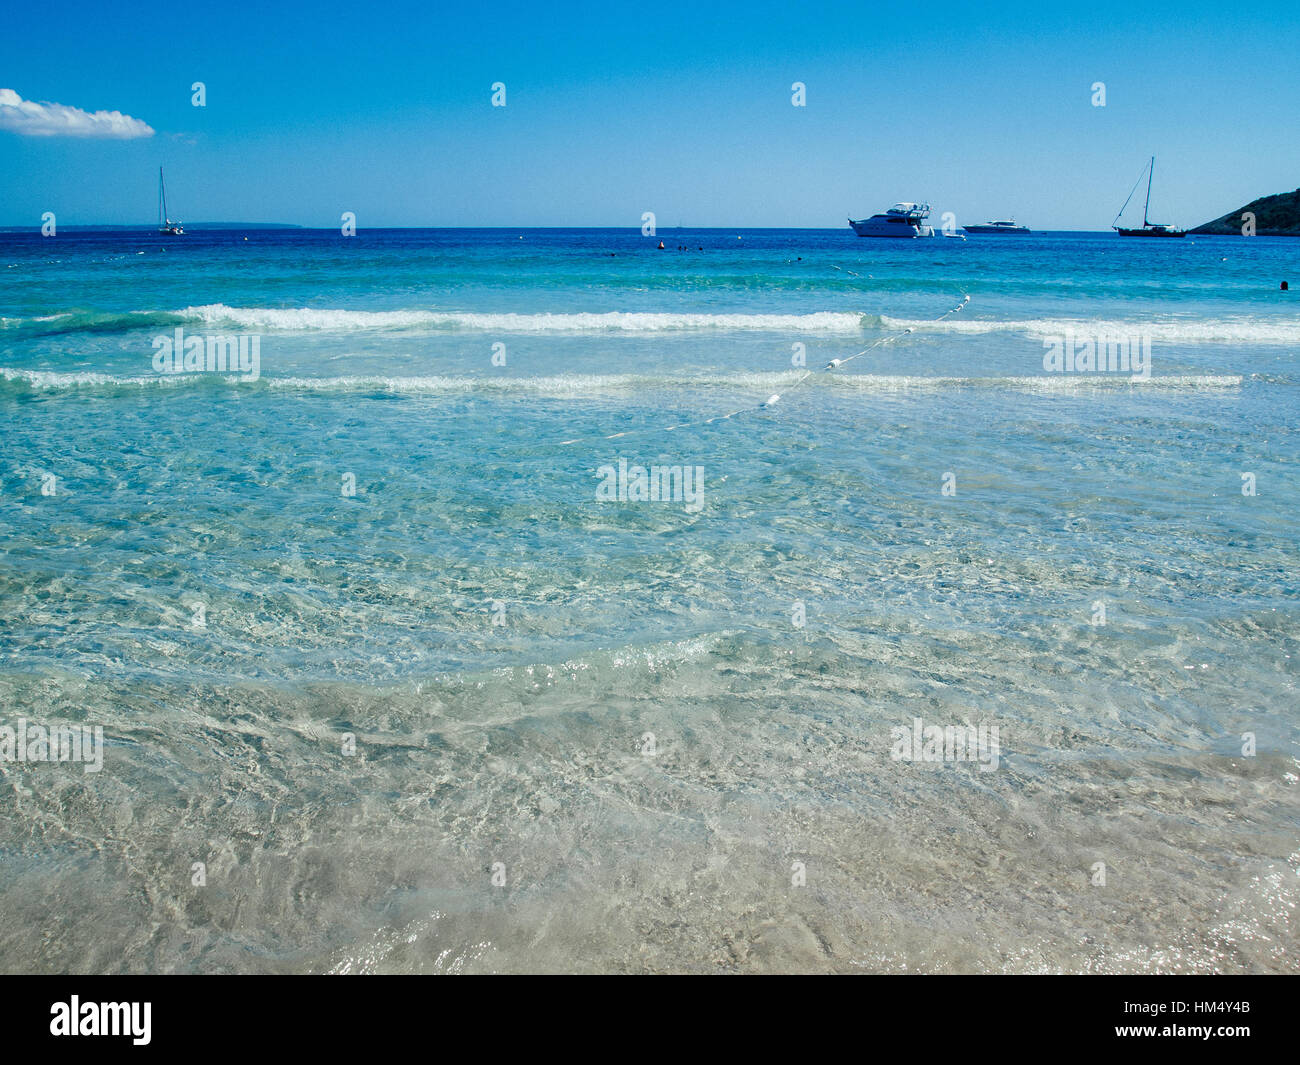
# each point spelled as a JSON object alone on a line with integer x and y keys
{"x": 1012, "y": 230}
{"x": 869, "y": 227}
{"x": 1151, "y": 232}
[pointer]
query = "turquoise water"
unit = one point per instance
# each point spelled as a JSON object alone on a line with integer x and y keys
{"x": 365, "y": 641}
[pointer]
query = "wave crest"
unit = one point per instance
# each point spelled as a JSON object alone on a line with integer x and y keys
{"x": 1185, "y": 330}
{"x": 852, "y": 323}
{"x": 307, "y": 318}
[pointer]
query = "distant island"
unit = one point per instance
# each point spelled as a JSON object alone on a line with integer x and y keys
{"x": 241, "y": 225}
{"x": 1275, "y": 216}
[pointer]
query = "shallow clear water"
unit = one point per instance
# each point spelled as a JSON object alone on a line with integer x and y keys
{"x": 499, "y": 641}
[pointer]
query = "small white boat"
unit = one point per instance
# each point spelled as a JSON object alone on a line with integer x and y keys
{"x": 902, "y": 220}
{"x": 1005, "y": 226}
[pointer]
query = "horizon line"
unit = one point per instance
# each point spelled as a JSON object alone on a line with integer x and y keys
{"x": 130, "y": 226}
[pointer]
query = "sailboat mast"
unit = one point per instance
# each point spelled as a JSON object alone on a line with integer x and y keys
{"x": 1151, "y": 173}
{"x": 165, "y": 224}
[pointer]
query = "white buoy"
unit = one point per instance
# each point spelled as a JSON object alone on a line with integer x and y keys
{"x": 834, "y": 364}
{"x": 771, "y": 401}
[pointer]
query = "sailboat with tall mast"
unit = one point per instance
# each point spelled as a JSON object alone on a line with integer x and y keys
{"x": 165, "y": 225}
{"x": 1149, "y": 228}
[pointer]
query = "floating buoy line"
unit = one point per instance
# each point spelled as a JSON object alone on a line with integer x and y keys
{"x": 775, "y": 398}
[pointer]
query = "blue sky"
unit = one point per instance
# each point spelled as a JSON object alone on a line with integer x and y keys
{"x": 681, "y": 109}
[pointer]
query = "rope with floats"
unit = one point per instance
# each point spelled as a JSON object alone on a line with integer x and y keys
{"x": 775, "y": 398}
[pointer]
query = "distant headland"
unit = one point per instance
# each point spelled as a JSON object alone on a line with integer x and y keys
{"x": 1275, "y": 216}
{"x": 242, "y": 225}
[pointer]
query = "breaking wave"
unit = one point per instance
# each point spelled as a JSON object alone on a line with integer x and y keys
{"x": 333, "y": 320}
{"x": 1185, "y": 330}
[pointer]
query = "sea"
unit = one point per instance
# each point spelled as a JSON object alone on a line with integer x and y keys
{"x": 544, "y": 600}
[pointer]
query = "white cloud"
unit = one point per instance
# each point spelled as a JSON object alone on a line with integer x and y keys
{"x": 31, "y": 119}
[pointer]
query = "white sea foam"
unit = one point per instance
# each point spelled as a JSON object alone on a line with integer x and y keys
{"x": 54, "y": 380}
{"x": 1247, "y": 330}
{"x": 1044, "y": 383}
{"x": 326, "y": 319}
{"x": 1186, "y": 330}
{"x": 591, "y": 384}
